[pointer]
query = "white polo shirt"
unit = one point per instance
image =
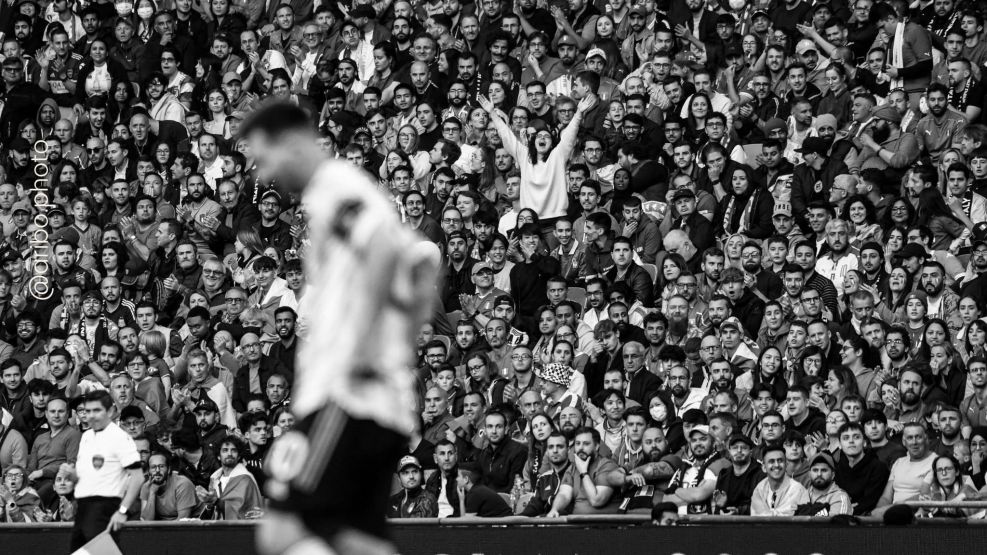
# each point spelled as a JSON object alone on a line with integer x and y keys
{"x": 102, "y": 462}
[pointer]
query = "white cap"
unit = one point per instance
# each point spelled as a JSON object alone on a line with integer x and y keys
{"x": 596, "y": 52}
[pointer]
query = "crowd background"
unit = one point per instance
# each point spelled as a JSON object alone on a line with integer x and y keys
{"x": 699, "y": 257}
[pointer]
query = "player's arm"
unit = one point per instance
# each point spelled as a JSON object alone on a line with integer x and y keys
{"x": 284, "y": 534}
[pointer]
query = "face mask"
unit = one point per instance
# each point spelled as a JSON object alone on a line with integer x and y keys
{"x": 659, "y": 412}
{"x": 145, "y": 12}
{"x": 124, "y": 8}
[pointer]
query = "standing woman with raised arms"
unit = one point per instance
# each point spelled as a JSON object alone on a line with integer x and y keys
{"x": 540, "y": 161}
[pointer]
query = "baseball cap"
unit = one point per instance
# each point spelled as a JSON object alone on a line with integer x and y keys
{"x": 408, "y": 460}
{"x": 726, "y": 19}
{"x": 805, "y": 45}
{"x": 20, "y": 144}
{"x": 131, "y": 411}
{"x": 731, "y": 322}
{"x": 816, "y": 145}
{"x": 824, "y": 458}
{"x": 92, "y": 294}
{"x": 702, "y": 429}
{"x": 760, "y": 13}
{"x": 480, "y": 266}
{"x": 504, "y": 300}
{"x": 231, "y": 76}
{"x": 9, "y": 255}
{"x": 271, "y": 193}
{"x": 740, "y": 438}
{"x": 783, "y": 209}
{"x": 911, "y": 250}
{"x": 566, "y": 39}
{"x": 979, "y": 234}
{"x": 362, "y": 131}
{"x": 596, "y": 52}
{"x": 638, "y": 9}
{"x": 206, "y": 404}
{"x": 682, "y": 193}
{"x": 458, "y": 234}
{"x": 22, "y": 205}
{"x": 57, "y": 209}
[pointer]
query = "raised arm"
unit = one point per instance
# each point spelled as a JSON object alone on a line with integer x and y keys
{"x": 499, "y": 120}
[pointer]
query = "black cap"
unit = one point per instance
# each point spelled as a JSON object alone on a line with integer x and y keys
{"x": 132, "y": 411}
{"x": 911, "y": 250}
{"x": 816, "y": 145}
{"x": 685, "y": 192}
{"x": 504, "y": 300}
{"x": 740, "y": 438}
{"x": 20, "y": 144}
{"x": 9, "y": 254}
{"x": 205, "y": 403}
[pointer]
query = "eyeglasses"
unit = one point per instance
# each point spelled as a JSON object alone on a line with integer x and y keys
{"x": 235, "y": 299}
{"x": 894, "y": 342}
{"x": 520, "y": 357}
{"x": 168, "y": 59}
{"x": 710, "y": 349}
{"x": 945, "y": 470}
{"x": 250, "y": 345}
{"x": 93, "y": 149}
{"x": 899, "y": 209}
{"x": 310, "y": 35}
{"x": 208, "y": 272}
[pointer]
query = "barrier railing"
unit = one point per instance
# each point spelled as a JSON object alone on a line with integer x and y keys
{"x": 585, "y": 534}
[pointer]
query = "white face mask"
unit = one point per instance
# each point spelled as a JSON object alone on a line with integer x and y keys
{"x": 659, "y": 412}
{"x": 145, "y": 12}
{"x": 124, "y": 8}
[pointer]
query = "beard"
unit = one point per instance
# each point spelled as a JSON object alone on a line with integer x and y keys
{"x": 751, "y": 267}
{"x": 933, "y": 289}
{"x": 821, "y": 483}
{"x": 654, "y": 455}
{"x": 678, "y": 326}
{"x": 679, "y": 390}
{"x": 456, "y": 101}
{"x": 881, "y": 134}
{"x": 909, "y": 397}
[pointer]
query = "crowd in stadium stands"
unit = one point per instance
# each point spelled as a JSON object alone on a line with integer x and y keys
{"x": 710, "y": 257}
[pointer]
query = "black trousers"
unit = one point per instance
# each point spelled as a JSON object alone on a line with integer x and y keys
{"x": 91, "y": 519}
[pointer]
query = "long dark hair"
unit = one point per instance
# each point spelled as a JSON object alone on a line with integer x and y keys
{"x": 932, "y": 205}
